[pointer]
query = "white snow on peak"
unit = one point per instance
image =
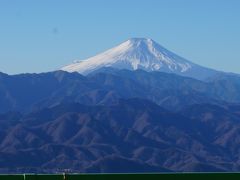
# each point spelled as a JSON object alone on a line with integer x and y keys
{"x": 135, "y": 53}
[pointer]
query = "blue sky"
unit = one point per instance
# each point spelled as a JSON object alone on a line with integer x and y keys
{"x": 44, "y": 35}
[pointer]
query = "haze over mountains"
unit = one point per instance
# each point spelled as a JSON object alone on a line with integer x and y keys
{"x": 134, "y": 108}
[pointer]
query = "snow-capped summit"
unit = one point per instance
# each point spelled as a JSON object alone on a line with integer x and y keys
{"x": 141, "y": 53}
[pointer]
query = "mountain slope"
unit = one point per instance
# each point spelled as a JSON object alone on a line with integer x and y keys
{"x": 141, "y": 53}
{"x": 50, "y": 89}
{"x": 168, "y": 90}
{"x": 133, "y": 132}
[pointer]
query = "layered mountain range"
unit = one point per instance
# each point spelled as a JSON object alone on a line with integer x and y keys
{"x": 134, "y": 108}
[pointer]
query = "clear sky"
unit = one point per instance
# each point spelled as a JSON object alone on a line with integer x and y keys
{"x": 44, "y": 35}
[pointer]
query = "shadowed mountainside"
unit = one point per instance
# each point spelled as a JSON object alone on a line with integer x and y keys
{"x": 26, "y": 92}
{"x": 149, "y": 121}
{"x": 138, "y": 134}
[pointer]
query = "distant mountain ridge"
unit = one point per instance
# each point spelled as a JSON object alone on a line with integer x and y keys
{"x": 141, "y": 53}
{"x": 165, "y": 89}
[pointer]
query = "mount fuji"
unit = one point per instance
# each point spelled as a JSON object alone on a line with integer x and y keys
{"x": 141, "y": 53}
